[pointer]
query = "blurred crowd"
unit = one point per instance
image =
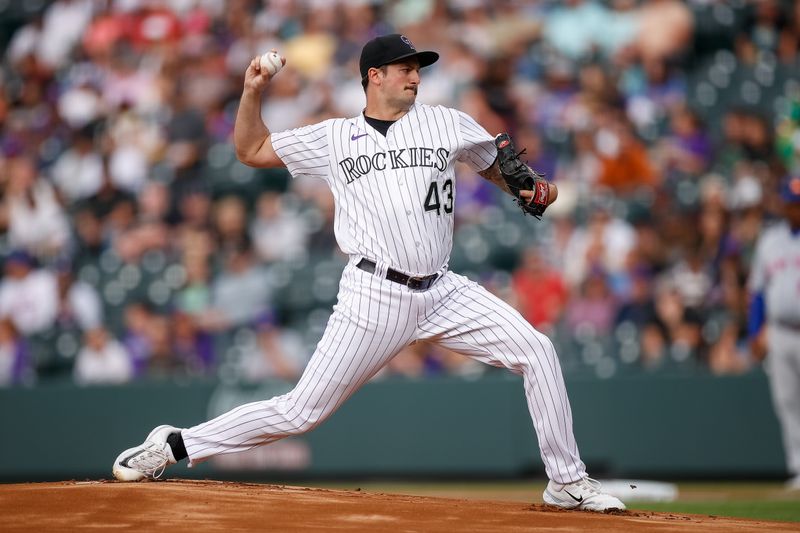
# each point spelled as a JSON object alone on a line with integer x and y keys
{"x": 135, "y": 245}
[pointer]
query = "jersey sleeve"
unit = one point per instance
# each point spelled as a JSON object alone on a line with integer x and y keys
{"x": 305, "y": 150}
{"x": 477, "y": 146}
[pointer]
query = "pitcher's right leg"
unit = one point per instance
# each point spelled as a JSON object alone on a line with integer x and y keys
{"x": 369, "y": 325}
{"x": 371, "y": 322}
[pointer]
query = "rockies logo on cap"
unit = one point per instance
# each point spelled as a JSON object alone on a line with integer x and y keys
{"x": 407, "y": 41}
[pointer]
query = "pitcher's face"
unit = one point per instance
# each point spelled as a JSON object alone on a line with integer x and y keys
{"x": 400, "y": 83}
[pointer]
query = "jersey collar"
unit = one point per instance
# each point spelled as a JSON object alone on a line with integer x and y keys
{"x": 361, "y": 121}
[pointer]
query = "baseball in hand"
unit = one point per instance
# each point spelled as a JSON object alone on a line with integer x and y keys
{"x": 271, "y": 63}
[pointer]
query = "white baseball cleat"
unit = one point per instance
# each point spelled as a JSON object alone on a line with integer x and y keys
{"x": 585, "y": 494}
{"x": 149, "y": 459}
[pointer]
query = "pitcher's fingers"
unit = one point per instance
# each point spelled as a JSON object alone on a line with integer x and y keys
{"x": 553, "y": 193}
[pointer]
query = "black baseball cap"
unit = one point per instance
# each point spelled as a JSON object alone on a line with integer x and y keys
{"x": 389, "y": 49}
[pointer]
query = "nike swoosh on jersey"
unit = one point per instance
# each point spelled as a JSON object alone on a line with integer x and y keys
{"x": 356, "y": 137}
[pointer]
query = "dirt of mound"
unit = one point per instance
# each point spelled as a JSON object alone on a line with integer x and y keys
{"x": 194, "y": 506}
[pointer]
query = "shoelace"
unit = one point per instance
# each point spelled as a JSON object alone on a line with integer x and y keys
{"x": 151, "y": 461}
{"x": 591, "y": 485}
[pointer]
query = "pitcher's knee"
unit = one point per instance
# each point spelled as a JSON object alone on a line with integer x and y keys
{"x": 301, "y": 416}
{"x": 537, "y": 353}
{"x": 308, "y": 421}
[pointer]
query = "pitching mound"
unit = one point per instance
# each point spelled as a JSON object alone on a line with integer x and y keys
{"x": 194, "y": 506}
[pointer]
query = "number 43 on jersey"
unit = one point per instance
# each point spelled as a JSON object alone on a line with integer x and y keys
{"x": 432, "y": 201}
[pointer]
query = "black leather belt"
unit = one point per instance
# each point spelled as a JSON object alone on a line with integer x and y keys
{"x": 417, "y": 284}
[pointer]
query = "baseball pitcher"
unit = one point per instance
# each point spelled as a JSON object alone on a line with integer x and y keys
{"x": 391, "y": 171}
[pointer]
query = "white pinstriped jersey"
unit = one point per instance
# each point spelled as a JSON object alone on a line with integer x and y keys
{"x": 394, "y": 194}
{"x": 776, "y": 273}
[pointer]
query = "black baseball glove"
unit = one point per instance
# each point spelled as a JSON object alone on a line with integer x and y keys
{"x": 520, "y": 177}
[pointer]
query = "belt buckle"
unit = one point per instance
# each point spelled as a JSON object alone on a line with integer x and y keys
{"x": 424, "y": 283}
{"x": 411, "y": 280}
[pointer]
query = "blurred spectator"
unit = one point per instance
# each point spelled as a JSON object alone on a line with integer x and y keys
{"x": 230, "y": 222}
{"x": 102, "y": 360}
{"x": 78, "y": 171}
{"x": 692, "y": 279}
{"x": 664, "y": 30}
{"x": 687, "y": 151}
{"x": 185, "y": 153}
{"x": 277, "y": 353}
{"x": 762, "y": 30}
{"x": 677, "y": 332}
{"x": 603, "y": 244}
{"x": 474, "y": 194}
{"x": 536, "y": 154}
{"x": 89, "y": 240}
{"x": 540, "y": 289}
{"x": 195, "y": 295}
{"x": 593, "y": 308}
{"x": 15, "y": 360}
{"x": 36, "y": 221}
{"x": 109, "y": 201}
{"x": 193, "y": 348}
{"x": 729, "y": 354}
{"x": 322, "y": 238}
{"x": 581, "y": 168}
{"x": 654, "y": 89}
{"x": 50, "y": 37}
{"x": 28, "y": 295}
{"x": 638, "y": 307}
{"x": 79, "y": 304}
{"x": 137, "y": 335}
{"x": 278, "y": 234}
{"x": 240, "y": 292}
{"x": 624, "y": 164}
{"x": 579, "y": 28}
{"x": 162, "y": 361}
{"x": 136, "y": 225}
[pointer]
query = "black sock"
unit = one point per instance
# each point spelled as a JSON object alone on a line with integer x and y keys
{"x": 175, "y": 441}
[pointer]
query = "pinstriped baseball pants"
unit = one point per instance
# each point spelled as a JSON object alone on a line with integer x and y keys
{"x": 373, "y": 320}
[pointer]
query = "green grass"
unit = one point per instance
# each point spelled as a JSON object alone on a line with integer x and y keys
{"x": 784, "y": 511}
{"x": 762, "y": 501}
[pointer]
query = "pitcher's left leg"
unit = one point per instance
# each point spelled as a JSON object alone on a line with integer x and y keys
{"x": 465, "y": 317}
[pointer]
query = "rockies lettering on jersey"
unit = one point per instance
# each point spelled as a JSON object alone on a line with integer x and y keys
{"x": 417, "y": 157}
